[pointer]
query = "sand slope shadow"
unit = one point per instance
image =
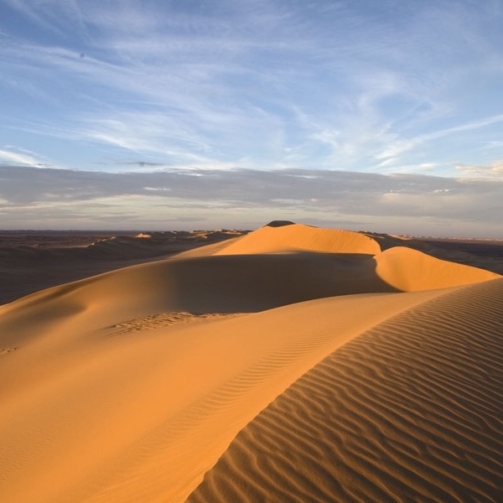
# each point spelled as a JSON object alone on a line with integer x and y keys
{"x": 213, "y": 284}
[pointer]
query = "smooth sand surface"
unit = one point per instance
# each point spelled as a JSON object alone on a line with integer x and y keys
{"x": 410, "y": 270}
{"x": 297, "y": 237}
{"x": 297, "y": 368}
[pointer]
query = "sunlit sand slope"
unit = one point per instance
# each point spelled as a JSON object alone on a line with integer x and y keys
{"x": 410, "y": 270}
{"x": 409, "y": 411}
{"x": 296, "y": 237}
{"x": 110, "y": 416}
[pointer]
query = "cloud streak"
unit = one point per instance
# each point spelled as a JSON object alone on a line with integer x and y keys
{"x": 23, "y": 158}
{"x": 402, "y": 201}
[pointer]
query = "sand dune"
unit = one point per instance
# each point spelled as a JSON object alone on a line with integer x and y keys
{"x": 297, "y": 237}
{"x": 201, "y": 284}
{"x": 104, "y": 400}
{"x": 410, "y": 270}
{"x": 408, "y": 411}
{"x": 129, "y": 386}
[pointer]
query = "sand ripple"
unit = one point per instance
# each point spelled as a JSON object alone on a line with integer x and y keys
{"x": 164, "y": 320}
{"x": 409, "y": 411}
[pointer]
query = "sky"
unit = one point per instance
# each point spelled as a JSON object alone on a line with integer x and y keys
{"x": 382, "y": 116}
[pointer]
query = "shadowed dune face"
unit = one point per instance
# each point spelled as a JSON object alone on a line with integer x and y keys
{"x": 222, "y": 284}
{"x": 259, "y": 282}
{"x": 408, "y": 411}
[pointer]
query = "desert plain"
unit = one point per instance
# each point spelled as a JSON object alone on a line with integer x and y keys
{"x": 287, "y": 364}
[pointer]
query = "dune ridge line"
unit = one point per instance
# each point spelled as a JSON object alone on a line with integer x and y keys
{"x": 409, "y": 410}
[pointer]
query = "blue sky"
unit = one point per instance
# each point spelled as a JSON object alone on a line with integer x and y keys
{"x": 384, "y": 116}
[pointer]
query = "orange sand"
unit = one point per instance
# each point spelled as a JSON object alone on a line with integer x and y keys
{"x": 289, "y": 363}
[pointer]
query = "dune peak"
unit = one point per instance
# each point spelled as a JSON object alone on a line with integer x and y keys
{"x": 279, "y": 223}
{"x": 298, "y": 237}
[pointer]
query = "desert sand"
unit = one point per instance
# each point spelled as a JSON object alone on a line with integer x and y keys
{"x": 288, "y": 364}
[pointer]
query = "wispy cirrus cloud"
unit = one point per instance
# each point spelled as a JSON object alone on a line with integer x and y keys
{"x": 22, "y": 157}
{"x": 206, "y": 63}
{"x": 391, "y": 158}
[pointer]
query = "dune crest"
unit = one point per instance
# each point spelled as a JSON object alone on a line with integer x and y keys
{"x": 298, "y": 237}
{"x": 410, "y": 270}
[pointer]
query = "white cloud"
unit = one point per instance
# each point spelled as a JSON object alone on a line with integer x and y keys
{"x": 391, "y": 154}
{"x": 9, "y": 157}
{"x": 494, "y": 170}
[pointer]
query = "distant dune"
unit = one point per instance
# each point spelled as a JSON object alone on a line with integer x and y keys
{"x": 288, "y": 364}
